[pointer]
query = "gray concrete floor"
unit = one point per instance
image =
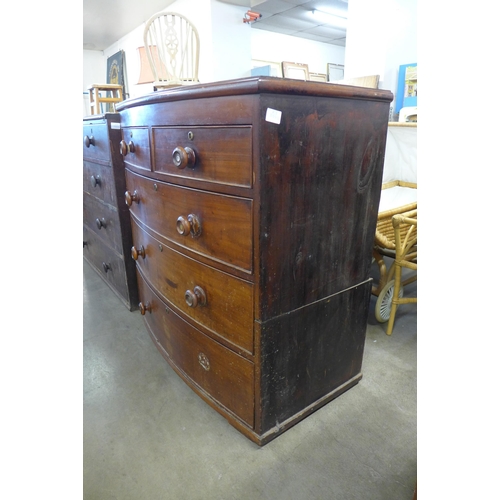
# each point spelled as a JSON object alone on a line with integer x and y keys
{"x": 148, "y": 436}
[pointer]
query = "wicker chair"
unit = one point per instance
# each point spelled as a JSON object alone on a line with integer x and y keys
{"x": 399, "y": 195}
{"x": 405, "y": 236}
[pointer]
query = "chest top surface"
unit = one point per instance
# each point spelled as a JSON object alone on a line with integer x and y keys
{"x": 259, "y": 85}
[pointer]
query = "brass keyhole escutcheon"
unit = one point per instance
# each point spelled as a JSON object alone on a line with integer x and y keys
{"x": 190, "y": 135}
{"x": 204, "y": 362}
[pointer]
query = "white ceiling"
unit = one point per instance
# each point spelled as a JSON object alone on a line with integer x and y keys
{"x": 106, "y": 21}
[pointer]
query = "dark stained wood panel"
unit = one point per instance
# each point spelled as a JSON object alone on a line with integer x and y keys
{"x": 284, "y": 179}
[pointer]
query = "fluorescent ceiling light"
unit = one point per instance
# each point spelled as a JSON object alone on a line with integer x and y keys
{"x": 334, "y": 20}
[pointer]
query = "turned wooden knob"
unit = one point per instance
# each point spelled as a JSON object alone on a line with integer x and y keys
{"x": 105, "y": 267}
{"x": 125, "y": 148}
{"x": 95, "y": 180}
{"x": 136, "y": 252}
{"x": 183, "y": 157}
{"x": 89, "y": 141}
{"x": 195, "y": 297}
{"x": 131, "y": 197}
{"x": 144, "y": 307}
{"x": 101, "y": 223}
{"x": 189, "y": 225}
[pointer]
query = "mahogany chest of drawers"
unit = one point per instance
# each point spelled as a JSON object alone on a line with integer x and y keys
{"x": 107, "y": 235}
{"x": 253, "y": 205}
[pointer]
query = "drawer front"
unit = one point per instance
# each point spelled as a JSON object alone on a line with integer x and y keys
{"x": 216, "y": 300}
{"x": 138, "y": 153}
{"x": 103, "y": 219}
{"x": 96, "y": 142}
{"x": 216, "y": 226}
{"x": 107, "y": 263}
{"x": 225, "y": 376}
{"x": 98, "y": 181}
{"x": 214, "y": 154}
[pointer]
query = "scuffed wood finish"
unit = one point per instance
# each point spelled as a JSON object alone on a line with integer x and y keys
{"x": 172, "y": 275}
{"x": 106, "y": 219}
{"x": 213, "y": 159}
{"x": 216, "y": 372}
{"x": 225, "y": 221}
{"x": 276, "y": 195}
{"x": 318, "y": 201}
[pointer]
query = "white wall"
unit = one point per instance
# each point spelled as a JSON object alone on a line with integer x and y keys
{"x": 275, "y": 47}
{"x": 224, "y": 45}
{"x": 381, "y": 36}
{"x": 227, "y": 47}
{"x": 94, "y": 71}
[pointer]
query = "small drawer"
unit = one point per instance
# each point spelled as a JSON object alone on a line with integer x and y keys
{"x": 210, "y": 224}
{"x": 98, "y": 181}
{"x": 214, "y": 154}
{"x": 135, "y": 148}
{"x": 216, "y": 300}
{"x": 104, "y": 221}
{"x": 216, "y": 371}
{"x": 96, "y": 142}
{"x": 106, "y": 262}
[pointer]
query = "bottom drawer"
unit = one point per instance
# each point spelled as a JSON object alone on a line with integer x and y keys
{"x": 107, "y": 263}
{"x": 218, "y": 372}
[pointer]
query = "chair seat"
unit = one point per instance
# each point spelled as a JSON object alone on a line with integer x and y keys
{"x": 96, "y": 99}
{"x": 395, "y": 197}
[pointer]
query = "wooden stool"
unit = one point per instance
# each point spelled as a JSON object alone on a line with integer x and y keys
{"x": 95, "y": 98}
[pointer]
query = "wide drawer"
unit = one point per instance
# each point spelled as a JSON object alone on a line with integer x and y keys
{"x": 98, "y": 181}
{"x": 214, "y": 154}
{"x": 216, "y": 371}
{"x": 104, "y": 220}
{"x": 214, "y": 225}
{"x": 135, "y": 147}
{"x": 214, "y": 299}
{"x": 106, "y": 262}
{"x": 96, "y": 142}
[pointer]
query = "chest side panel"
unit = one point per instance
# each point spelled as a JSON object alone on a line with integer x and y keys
{"x": 320, "y": 177}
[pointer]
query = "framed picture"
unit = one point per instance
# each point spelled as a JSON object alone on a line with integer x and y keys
{"x": 297, "y": 71}
{"x": 267, "y": 68}
{"x": 116, "y": 70}
{"x": 318, "y": 77}
{"x": 335, "y": 72}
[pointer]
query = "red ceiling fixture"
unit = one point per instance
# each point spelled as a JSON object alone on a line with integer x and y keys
{"x": 251, "y": 17}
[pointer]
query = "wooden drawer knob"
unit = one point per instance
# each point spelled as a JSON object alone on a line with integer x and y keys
{"x": 125, "y": 148}
{"x": 196, "y": 297}
{"x": 136, "y": 252}
{"x": 144, "y": 307}
{"x": 101, "y": 223}
{"x": 189, "y": 225}
{"x": 95, "y": 180}
{"x": 183, "y": 157}
{"x": 131, "y": 197}
{"x": 89, "y": 140}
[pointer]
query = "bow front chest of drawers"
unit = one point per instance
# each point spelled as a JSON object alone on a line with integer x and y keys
{"x": 107, "y": 236}
{"x": 253, "y": 206}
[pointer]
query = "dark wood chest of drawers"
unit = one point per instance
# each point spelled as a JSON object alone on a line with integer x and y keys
{"x": 253, "y": 206}
{"x": 107, "y": 236}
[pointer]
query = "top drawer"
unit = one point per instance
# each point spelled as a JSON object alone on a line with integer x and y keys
{"x": 220, "y": 154}
{"x": 96, "y": 142}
